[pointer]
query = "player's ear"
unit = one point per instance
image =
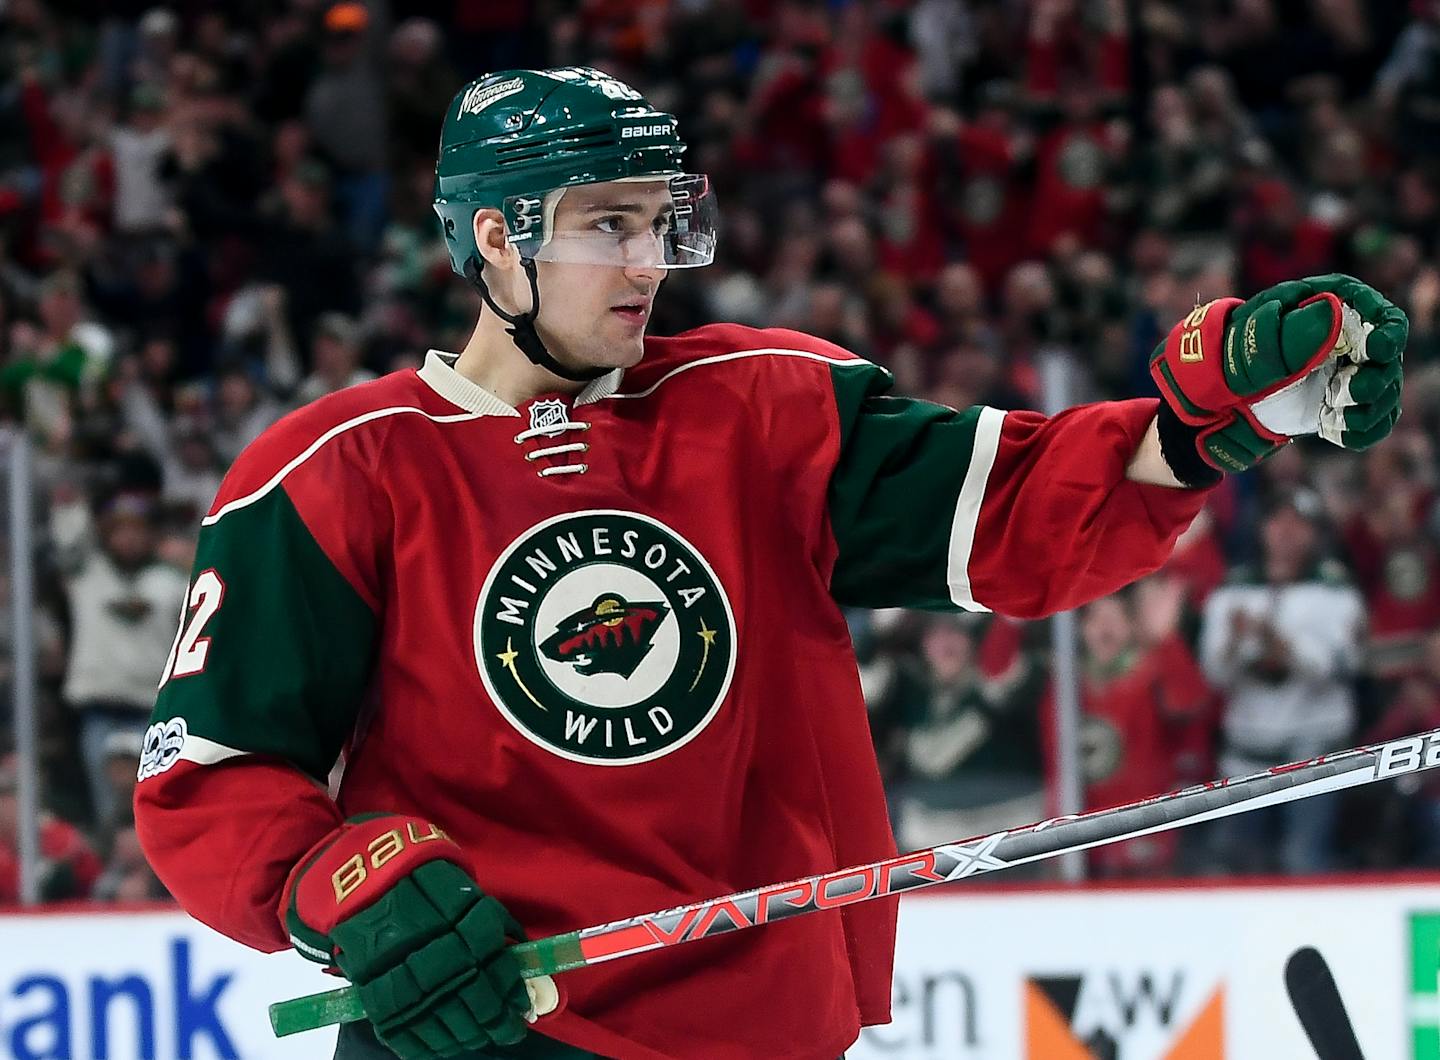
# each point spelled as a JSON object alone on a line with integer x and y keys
{"x": 490, "y": 239}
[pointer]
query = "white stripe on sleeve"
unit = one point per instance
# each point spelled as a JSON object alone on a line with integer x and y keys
{"x": 967, "y": 508}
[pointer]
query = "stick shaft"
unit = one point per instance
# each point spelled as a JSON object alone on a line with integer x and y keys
{"x": 926, "y": 868}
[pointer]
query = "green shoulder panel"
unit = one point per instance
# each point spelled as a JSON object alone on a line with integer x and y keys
{"x": 894, "y": 492}
{"x": 276, "y": 647}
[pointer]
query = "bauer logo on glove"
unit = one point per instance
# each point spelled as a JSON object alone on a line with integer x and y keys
{"x": 1315, "y": 356}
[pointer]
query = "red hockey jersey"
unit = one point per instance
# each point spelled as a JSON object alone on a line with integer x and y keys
{"x": 619, "y": 688}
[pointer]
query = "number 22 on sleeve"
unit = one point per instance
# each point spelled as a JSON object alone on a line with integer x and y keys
{"x": 188, "y": 653}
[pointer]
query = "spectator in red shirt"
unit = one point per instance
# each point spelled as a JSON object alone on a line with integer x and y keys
{"x": 1142, "y": 689}
{"x": 982, "y": 189}
{"x": 68, "y": 865}
{"x": 1278, "y": 239}
{"x": 1396, "y": 563}
{"x": 786, "y": 107}
{"x": 1078, "y": 68}
{"x": 911, "y": 243}
{"x": 1072, "y": 167}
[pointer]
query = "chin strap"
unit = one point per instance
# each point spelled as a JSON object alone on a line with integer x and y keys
{"x": 522, "y": 325}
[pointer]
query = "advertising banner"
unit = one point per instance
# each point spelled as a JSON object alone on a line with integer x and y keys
{"x": 1184, "y": 973}
{"x": 145, "y": 986}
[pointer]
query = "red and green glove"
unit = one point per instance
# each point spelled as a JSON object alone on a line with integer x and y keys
{"x": 385, "y": 899}
{"x": 1240, "y": 379}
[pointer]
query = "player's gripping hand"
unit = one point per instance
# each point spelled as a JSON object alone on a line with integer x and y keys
{"x": 386, "y": 900}
{"x": 1315, "y": 356}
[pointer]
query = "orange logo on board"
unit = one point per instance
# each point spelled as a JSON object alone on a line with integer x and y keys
{"x": 1120, "y": 1018}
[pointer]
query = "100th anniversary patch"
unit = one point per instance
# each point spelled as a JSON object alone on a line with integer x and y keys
{"x": 605, "y": 637}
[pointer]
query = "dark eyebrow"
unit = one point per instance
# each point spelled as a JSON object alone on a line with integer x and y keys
{"x": 624, "y": 207}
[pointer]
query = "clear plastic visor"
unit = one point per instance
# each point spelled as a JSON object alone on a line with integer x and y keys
{"x": 636, "y": 222}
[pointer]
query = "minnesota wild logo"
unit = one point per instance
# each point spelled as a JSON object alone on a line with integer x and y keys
{"x": 611, "y": 636}
{"x": 605, "y": 637}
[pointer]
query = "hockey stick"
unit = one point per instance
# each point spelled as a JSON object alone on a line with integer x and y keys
{"x": 924, "y": 868}
{"x": 1317, "y": 1004}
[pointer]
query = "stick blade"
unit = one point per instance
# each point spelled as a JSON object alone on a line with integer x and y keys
{"x": 1317, "y": 1004}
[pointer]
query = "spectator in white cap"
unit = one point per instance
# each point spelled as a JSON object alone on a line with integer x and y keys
{"x": 124, "y": 606}
{"x": 1282, "y": 642}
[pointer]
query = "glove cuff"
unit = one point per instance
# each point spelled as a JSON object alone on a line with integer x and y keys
{"x": 350, "y": 869}
{"x": 1186, "y": 366}
{"x": 1180, "y": 446}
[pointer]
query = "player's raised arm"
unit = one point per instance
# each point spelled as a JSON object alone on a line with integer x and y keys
{"x": 1027, "y": 514}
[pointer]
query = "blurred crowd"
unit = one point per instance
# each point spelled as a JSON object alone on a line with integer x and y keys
{"x": 212, "y": 212}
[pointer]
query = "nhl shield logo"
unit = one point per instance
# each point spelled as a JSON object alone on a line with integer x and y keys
{"x": 548, "y": 415}
{"x": 605, "y": 637}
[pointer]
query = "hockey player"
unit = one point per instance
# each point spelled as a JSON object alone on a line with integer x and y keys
{"x": 567, "y": 606}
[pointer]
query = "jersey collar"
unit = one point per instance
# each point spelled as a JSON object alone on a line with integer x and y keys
{"x": 438, "y": 373}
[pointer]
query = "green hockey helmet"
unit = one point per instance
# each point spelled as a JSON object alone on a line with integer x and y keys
{"x": 517, "y": 140}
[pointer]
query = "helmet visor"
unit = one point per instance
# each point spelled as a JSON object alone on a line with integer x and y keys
{"x": 654, "y": 222}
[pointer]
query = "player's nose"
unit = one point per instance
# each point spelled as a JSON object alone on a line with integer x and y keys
{"x": 645, "y": 276}
{"x": 643, "y": 258}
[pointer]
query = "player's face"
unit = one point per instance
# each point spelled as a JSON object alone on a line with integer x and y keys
{"x": 595, "y": 315}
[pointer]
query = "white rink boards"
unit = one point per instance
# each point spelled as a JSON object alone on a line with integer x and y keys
{"x": 130, "y": 985}
{"x": 1178, "y": 973}
{"x": 1170, "y": 973}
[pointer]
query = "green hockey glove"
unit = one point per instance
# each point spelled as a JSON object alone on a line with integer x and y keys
{"x": 1315, "y": 356}
{"x": 386, "y": 900}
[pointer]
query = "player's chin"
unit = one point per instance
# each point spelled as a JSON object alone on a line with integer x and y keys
{"x": 624, "y": 351}
{"x": 630, "y": 355}
{"x": 614, "y": 355}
